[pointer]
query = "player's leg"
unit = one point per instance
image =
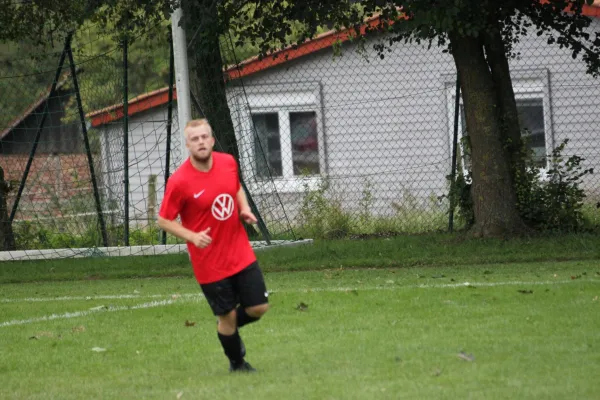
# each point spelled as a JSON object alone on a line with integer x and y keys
{"x": 222, "y": 300}
{"x": 252, "y": 291}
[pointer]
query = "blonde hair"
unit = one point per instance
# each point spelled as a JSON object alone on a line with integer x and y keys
{"x": 194, "y": 123}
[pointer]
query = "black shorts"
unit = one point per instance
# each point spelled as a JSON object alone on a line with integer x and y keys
{"x": 246, "y": 288}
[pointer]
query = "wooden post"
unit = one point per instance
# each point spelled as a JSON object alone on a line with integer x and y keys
{"x": 151, "y": 200}
{"x": 7, "y": 238}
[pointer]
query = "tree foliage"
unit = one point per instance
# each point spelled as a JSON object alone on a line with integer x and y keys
{"x": 481, "y": 36}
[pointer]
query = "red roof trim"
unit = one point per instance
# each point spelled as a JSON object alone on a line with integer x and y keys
{"x": 593, "y": 10}
{"x": 323, "y": 41}
{"x": 32, "y": 107}
{"x": 136, "y": 105}
{"x": 254, "y": 65}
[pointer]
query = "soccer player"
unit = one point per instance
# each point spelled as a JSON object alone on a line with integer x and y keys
{"x": 206, "y": 193}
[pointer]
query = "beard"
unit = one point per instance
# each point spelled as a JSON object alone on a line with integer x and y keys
{"x": 200, "y": 159}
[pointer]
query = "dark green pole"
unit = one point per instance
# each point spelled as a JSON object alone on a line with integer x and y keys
{"x": 87, "y": 149}
{"x": 39, "y": 130}
{"x": 125, "y": 144}
{"x": 169, "y": 121}
{"x": 454, "y": 151}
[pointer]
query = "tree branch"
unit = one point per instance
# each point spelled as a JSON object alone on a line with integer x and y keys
{"x": 576, "y": 44}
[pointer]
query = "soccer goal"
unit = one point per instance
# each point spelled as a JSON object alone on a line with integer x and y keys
{"x": 88, "y": 142}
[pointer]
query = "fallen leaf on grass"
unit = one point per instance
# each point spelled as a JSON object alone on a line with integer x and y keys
{"x": 302, "y": 306}
{"x": 467, "y": 357}
{"x": 98, "y": 349}
{"x": 575, "y": 276}
{"x": 80, "y": 328}
{"x": 188, "y": 323}
{"x": 525, "y": 291}
{"x": 42, "y": 334}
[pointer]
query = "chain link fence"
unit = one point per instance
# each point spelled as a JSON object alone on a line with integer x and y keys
{"x": 333, "y": 140}
{"x": 356, "y": 144}
{"x": 65, "y": 165}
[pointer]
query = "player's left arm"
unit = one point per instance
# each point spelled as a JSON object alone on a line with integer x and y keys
{"x": 245, "y": 210}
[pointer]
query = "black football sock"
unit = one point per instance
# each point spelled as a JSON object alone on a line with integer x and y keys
{"x": 232, "y": 345}
{"x": 243, "y": 318}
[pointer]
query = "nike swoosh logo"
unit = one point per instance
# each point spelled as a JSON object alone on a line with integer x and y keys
{"x": 196, "y": 195}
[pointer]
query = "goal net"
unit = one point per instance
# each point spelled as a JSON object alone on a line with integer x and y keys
{"x": 83, "y": 171}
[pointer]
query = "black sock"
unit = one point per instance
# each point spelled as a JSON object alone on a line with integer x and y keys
{"x": 243, "y": 318}
{"x": 232, "y": 345}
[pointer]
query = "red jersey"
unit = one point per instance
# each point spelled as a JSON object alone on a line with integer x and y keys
{"x": 209, "y": 200}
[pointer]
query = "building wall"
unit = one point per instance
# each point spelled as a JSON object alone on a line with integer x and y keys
{"x": 147, "y": 158}
{"x": 389, "y": 122}
{"x": 385, "y": 125}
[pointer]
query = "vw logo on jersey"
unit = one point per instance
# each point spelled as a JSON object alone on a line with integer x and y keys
{"x": 222, "y": 207}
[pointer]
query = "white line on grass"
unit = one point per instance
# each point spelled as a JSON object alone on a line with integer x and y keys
{"x": 86, "y": 313}
{"x": 99, "y": 297}
{"x": 387, "y": 286}
{"x": 174, "y": 297}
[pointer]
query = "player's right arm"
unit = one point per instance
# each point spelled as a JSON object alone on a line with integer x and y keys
{"x": 199, "y": 239}
{"x": 169, "y": 210}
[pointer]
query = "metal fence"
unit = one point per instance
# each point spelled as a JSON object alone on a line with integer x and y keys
{"x": 332, "y": 141}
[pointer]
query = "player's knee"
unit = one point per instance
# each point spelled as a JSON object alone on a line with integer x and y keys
{"x": 258, "y": 311}
{"x": 227, "y": 322}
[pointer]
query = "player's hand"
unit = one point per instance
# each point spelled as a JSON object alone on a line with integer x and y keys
{"x": 201, "y": 239}
{"x": 247, "y": 216}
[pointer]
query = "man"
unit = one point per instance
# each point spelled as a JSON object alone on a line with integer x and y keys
{"x": 205, "y": 191}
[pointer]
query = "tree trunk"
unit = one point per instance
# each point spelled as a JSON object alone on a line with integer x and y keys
{"x": 509, "y": 116}
{"x": 494, "y": 198}
{"x": 206, "y": 65}
{"x": 7, "y": 237}
{"x": 207, "y": 78}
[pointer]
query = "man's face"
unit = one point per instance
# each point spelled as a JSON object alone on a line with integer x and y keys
{"x": 200, "y": 142}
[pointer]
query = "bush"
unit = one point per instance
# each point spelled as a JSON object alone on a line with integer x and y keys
{"x": 322, "y": 217}
{"x": 553, "y": 202}
{"x": 547, "y": 201}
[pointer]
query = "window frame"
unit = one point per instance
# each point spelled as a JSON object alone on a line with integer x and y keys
{"x": 527, "y": 85}
{"x": 266, "y": 99}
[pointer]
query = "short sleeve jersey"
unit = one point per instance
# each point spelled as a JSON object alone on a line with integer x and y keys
{"x": 208, "y": 200}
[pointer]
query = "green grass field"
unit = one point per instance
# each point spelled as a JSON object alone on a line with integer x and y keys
{"x": 487, "y": 328}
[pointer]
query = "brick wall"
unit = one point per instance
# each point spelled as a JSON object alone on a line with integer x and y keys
{"x": 54, "y": 184}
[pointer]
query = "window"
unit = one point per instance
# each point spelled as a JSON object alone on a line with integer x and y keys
{"x": 533, "y": 107}
{"x": 531, "y": 121}
{"x": 281, "y": 139}
{"x": 268, "y": 142}
{"x": 301, "y": 157}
